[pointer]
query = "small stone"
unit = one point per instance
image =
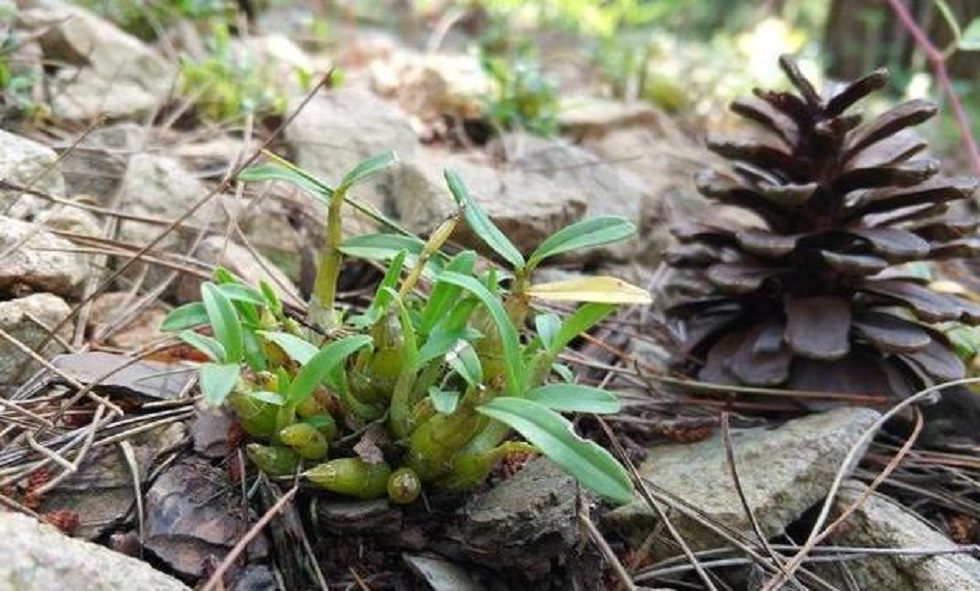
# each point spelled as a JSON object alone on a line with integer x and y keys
{"x": 40, "y": 558}
{"x": 28, "y": 320}
{"x": 524, "y": 523}
{"x": 783, "y": 472}
{"x": 881, "y": 523}
{"x": 26, "y": 163}
{"x": 440, "y": 574}
{"x": 38, "y": 261}
{"x": 112, "y": 323}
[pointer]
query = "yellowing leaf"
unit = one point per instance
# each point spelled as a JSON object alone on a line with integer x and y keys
{"x": 602, "y": 289}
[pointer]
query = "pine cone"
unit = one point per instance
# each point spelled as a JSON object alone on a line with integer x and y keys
{"x": 811, "y": 298}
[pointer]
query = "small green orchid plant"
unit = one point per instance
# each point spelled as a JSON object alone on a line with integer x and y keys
{"x": 439, "y": 362}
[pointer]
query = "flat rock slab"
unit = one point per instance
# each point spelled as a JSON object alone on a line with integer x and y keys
{"x": 38, "y": 261}
{"x": 38, "y": 557}
{"x": 882, "y": 523}
{"x": 783, "y": 471}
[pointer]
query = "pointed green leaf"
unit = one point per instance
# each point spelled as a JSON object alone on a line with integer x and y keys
{"x": 383, "y": 295}
{"x": 513, "y": 366}
{"x": 554, "y": 435}
{"x": 224, "y": 321}
{"x": 588, "y": 233}
{"x": 205, "y": 344}
{"x": 480, "y": 223}
{"x": 580, "y": 321}
{"x": 440, "y": 342}
{"x": 299, "y": 350}
{"x": 444, "y": 295}
{"x": 320, "y": 365}
{"x": 547, "y": 326}
{"x": 284, "y": 171}
{"x": 380, "y": 247}
{"x": 575, "y": 398}
{"x": 970, "y": 40}
{"x": 273, "y": 398}
{"x": 443, "y": 401}
{"x": 186, "y": 316}
{"x": 217, "y": 381}
{"x": 272, "y": 300}
{"x": 563, "y": 371}
{"x": 242, "y": 293}
{"x": 464, "y": 361}
{"x": 367, "y": 168}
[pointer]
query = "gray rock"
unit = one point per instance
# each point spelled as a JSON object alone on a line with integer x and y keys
{"x": 19, "y": 318}
{"x": 37, "y": 260}
{"x": 40, "y": 558}
{"x": 159, "y": 186}
{"x": 783, "y": 472}
{"x": 585, "y": 116}
{"x": 526, "y": 524}
{"x": 251, "y": 268}
{"x": 433, "y": 85}
{"x": 95, "y": 165}
{"x": 528, "y": 207}
{"x": 28, "y": 164}
{"x": 440, "y": 574}
{"x": 115, "y": 73}
{"x": 882, "y": 523}
{"x": 337, "y": 130}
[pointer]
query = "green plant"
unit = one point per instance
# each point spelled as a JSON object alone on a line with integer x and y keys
{"x": 148, "y": 20}
{"x": 18, "y": 81}
{"x": 231, "y": 83}
{"x": 524, "y": 97}
{"x": 811, "y": 299}
{"x": 446, "y": 375}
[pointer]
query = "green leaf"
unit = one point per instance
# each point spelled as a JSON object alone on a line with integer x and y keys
{"x": 970, "y": 40}
{"x": 440, "y": 342}
{"x": 272, "y": 300}
{"x": 464, "y": 361}
{"x": 242, "y": 293}
{"x": 299, "y": 350}
{"x": 584, "y": 234}
{"x": 283, "y": 170}
{"x": 320, "y": 365}
{"x": 480, "y": 223}
{"x": 186, "y": 316}
{"x": 443, "y": 401}
{"x": 380, "y": 247}
{"x": 224, "y": 321}
{"x": 217, "y": 381}
{"x": 599, "y": 289}
{"x": 367, "y": 168}
{"x": 254, "y": 355}
{"x": 575, "y": 398}
{"x": 273, "y": 398}
{"x": 513, "y": 367}
{"x": 223, "y": 276}
{"x": 563, "y": 371}
{"x": 580, "y": 321}
{"x": 383, "y": 295}
{"x": 554, "y": 435}
{"x": 444, "y": 295}
{"x": 410, "y": 347}
{"x": 547, "y": 325}
{"x": 205, "y": 344}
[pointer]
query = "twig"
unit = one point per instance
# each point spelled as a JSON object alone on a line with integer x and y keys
{"x": 603, "y": 545}
{"x": 216, "y": 578}
{"x": 817, "y": 533}
{"x": 726, "y": 437}
{"x": 938, "y": 60}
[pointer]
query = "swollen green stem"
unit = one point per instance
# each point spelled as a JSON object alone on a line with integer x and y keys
{"x": 400, "y": 411}
{"x": 329, "y": 263}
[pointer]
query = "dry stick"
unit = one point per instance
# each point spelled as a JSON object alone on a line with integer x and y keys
{"x": 938, "y": 61}
{"x": 82, "y": 452}
{"x": 661, "y": 514}
{"x": 726, "y": 436}
{"x": 215, "y": 581}
{"x": 816, "y": 535}
{"x": 597, "y": 538}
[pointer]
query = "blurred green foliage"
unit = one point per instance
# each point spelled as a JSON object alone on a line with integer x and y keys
{"x": 150, "y": 19}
